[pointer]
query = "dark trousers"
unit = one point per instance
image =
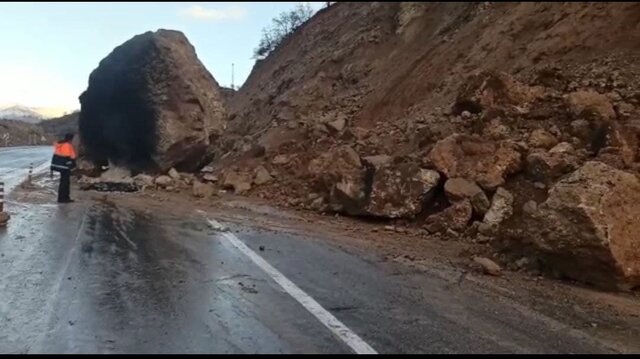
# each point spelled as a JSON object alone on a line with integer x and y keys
{"x": 65, "y": 184}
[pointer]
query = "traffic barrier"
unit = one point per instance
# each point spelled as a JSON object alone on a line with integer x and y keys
{"x": 30, "y": 173}
{"x": 4, "y": 216}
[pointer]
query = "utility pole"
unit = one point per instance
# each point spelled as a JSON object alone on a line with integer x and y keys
{"x": 232, "y": 77}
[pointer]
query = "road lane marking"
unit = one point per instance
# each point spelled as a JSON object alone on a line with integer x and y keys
{"x": 350, "y": 338}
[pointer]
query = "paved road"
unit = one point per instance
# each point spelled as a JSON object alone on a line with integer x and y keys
{"x": 99, "y": 277}
{"x": 15, "y": 162}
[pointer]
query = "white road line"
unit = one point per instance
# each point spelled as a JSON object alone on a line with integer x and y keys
{"x": 350, "y": 338}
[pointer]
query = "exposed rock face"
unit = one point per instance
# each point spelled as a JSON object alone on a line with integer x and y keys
{"x": 471, "y": 157}
{"x": 151, "y": 105}
{"x": 400, "y": 190}
{"x": 588, "y": 227}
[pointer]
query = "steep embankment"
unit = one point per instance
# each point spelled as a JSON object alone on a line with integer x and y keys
{"x": 468, "y": 118}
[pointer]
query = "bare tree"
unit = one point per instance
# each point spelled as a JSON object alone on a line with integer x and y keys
{"x": 281, "y": 26}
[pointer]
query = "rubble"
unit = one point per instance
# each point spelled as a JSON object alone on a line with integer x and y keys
{"x": 240, "y": 182}
{"x": 163, "y": 181}
{"x": 142, "y": 180}
{"x": 459, "y": 188}
{"x": 281, "y": 160}
{"x": 201, "y": 190}
{"x": 548, "y": 166}
{"x": 488, "y": 266}
{"x": 587, "y": 228}
{"x": 209, "y": 177}
{"x": 174, "y": 174}
{"x": 590, "y": 105}
{"x": 542, "y": 139}
{"x": 262, "y": 176}
{"x": 500, "y": 210}
{"x": 341, "y": 175}
{"x": 401, "y": 190}
{"x": 439, "y": 141}
{"x": 455, "y": 217}
{"x": 530, "y": 207}
{"x": 487, "y": 163}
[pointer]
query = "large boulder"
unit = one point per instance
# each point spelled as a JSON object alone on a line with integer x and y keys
{"x": 151, "y": 105}
{"x": 341, "y": 174}
{"x": 588, "y": 227}
{"x": 487, "y": 163}
{"x": 400, "y": 190}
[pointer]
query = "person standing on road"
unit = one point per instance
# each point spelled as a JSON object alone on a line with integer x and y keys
{"x": 63, "y": 161}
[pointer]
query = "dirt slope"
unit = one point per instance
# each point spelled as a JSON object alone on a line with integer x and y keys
{"x": 389, "y": 63}
{"x": 513, "y": 97}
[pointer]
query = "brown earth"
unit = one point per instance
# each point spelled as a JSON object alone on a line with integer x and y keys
{"x": 356, "y": 107}
{"x": 518, "y": 95}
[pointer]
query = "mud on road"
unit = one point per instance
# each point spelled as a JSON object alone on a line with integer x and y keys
{"x": 397, "y": 291}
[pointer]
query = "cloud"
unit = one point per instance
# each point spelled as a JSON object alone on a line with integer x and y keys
{"x": 230, "y": 13}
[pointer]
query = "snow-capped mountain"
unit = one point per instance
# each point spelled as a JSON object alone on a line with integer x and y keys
{"x": 20, "y": 113}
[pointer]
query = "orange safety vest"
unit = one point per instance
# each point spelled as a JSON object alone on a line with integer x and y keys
{"x": 64, "y": 149}
{"x": 64, "y": 157}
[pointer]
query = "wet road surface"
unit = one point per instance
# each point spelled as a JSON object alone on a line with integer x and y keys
{"x": 99, "y": 277}
{"x": 15, "y": 162}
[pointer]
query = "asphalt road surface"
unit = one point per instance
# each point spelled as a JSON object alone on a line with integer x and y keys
{"x": 99, "y": 277}
{"x": 15, "y": 162}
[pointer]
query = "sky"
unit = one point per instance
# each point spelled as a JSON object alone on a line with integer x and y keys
{"x": 48, "y": 50}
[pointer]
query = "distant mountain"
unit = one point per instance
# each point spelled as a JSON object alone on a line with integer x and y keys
{"x": 20, "y": 113}
{"x": 58, "y": 127}
{"x": 14, "y": 111}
